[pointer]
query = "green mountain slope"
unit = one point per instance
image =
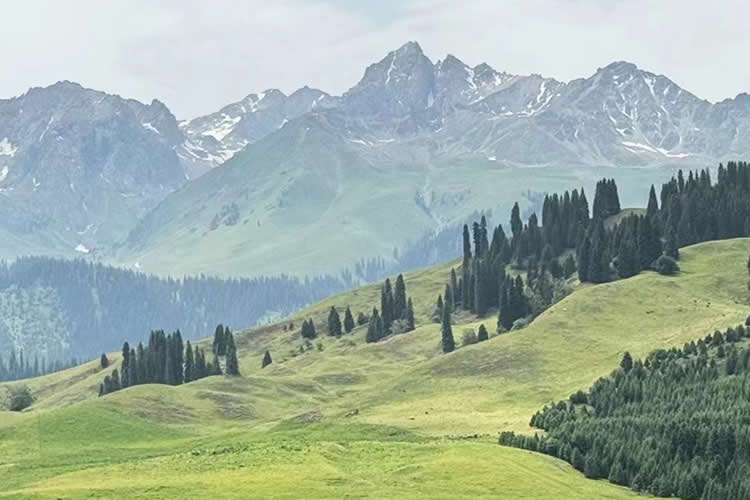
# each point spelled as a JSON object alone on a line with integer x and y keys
{"x": 302, "y": 201}
{"x": 393, "y": 419}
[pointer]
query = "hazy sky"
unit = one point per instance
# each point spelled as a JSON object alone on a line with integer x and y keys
{"x": 197, "y": 56}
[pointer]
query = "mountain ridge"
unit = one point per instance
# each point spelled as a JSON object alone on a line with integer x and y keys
{"x": 431, "y": 136}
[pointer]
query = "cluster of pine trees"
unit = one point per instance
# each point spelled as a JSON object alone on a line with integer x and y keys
{"x": 692, "y": 210}
{"x": 18, "y": 367}
{"x": 396, "y": 314}
{"x": 166, "y": 360}
{"x": 308, "y": 329}
{"x": 484, "y": 284}
{"x": 335, "y": 326}
{"x": 695, "y": 210}
{"x": 672, "y": 425}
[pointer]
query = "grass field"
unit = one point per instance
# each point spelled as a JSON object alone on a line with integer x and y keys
{"x": 343, "y": 419}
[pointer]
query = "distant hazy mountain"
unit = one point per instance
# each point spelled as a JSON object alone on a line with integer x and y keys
{"x": 79, "y": 167}
{"x": 311, "y": 182}
{"x": 212, "y": 139}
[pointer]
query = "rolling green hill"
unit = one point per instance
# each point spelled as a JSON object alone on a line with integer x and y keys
{"x": 395, "y": 419}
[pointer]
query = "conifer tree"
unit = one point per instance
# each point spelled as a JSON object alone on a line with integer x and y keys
{"x": 348, "y": 320}
{"x": 410, "y": 324}
{"x": 516, "y": 225}
{"x": 178, "y": 361}
{"x": 448, "y": 298}
{"x": 454, "y": 287}
{"x": 374, "y": 327}
{"x": 308, "y": 329}
{"x": 505, "y": 314}
{"x": 334, "y": 322}
{"x": 228, "y": 339}
{"x": 448, "y": 343}
{"x": 219, "y": 348}
{"x": 232, "y": 364}
{"x": 652, "y": 210}
{"x": 115, "y": 381}
{"x": 482, "y": 335}
{"x": 627, "y": 362}
{"x": 133, "y": 368}
{"x": 189, "y": 375}
{"x": 399, "y": 298}
{"x": 467, "y": 243}
{"x": 215, "y": 367}
{"x": 266, "y": 360}
{"x": 125, "y": 362}
{"x": 627, "y": 260}
{"x": 386, "y": 304}
{"x": 671, "y": 246}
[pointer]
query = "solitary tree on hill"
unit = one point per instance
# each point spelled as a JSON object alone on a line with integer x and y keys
{"x": 266, "y": 360}
{"x": 448, "y": 343}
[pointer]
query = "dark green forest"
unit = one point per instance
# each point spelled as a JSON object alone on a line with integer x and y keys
{"x": 166, "y": 359}
{"x": 103, "y": 305}
{"x": 521, "y": 273}
{"x": 674, "y": 424}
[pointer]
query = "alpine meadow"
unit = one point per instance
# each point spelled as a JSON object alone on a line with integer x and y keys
{"x": 443, "y": 281}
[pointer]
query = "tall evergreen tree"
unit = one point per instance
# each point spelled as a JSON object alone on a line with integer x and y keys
{"x": 482, "y": 335}
{"x": 374, "y": 327}
{"x": 454, "y": 287}
{"x": 266, "y": 360}
{"x": 399, "y": 298}
{"x": 386, "y": 304}
{"x": 232, "y": 364}
{"x": 219, "y": 347}
{"x": 410, "y": 325}
{"x": 189, "y": 374}
{"x": 652, "y": 210}
{"x": 448, "y": 343}
{"x": 334, "y": 322}
{"x": 348, "y": 320}
{"x": 671, "y": 246}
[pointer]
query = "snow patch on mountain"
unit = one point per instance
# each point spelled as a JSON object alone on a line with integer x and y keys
{"x": 223, "y": 128}
{"x": 7, "y": 148}
{"x": 149, "y": 126}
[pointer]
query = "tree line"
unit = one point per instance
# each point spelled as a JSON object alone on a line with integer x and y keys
{"x": 572, "y": 239}
{"x": 167, "y": 360}
{"x": 674, "y": 424}
{"x": 395, "y": 315}
{"x": 20, "y": 367}
{"x": 97, "y": 306}
{"x": 688, "y": 211}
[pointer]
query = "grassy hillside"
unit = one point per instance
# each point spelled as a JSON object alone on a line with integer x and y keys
{"x": 395, "y": 419}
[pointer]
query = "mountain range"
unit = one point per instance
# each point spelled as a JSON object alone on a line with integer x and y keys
{"x": 310, "y": 182}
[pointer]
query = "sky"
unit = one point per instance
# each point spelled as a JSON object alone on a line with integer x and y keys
{"x": 197, "y": 56}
